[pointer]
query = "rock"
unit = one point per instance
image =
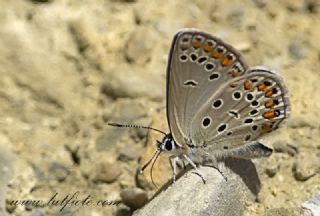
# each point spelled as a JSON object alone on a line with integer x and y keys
{"x": 140, "y": 45}
{"x": 303, "y": 121}
{"x": 6, "y": 173}
{"x": 42, "y": 1}
{"x": 123, "y": 210}
{"x": 107, "y": 172}
{"x": 273, "y": 166}
{"x": 284, "y": 147}
{"x": 283, "y": 211}
{"x": 58, "y": 171}
{"x": 260, "y": 3}
{"x": 124, "y": 112}
{"x": 312, "y": 206}
{"x": 190, "y": 196}
{"x": 128, "y": 82}
{"x": 109, "y": 138}
{"x": 134, "y": 197}
{"x": 297, "y": 50}
{"x": 37, "y": 212}
{"x": 312, "y": 6}
{"x": 129, "y": 152}
{"x": 306, "y": 165}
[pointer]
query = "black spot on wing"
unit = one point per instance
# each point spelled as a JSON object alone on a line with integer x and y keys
{"x": 190, "y": 83}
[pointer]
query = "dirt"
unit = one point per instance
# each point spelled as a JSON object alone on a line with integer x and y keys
{"x": 69, "y": 67}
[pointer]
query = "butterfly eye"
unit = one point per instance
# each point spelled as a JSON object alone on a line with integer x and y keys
{"x": 168, "y": 145}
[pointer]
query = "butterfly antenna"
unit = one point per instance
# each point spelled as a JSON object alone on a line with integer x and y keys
{"x": 135, "y": 126}
{"x": 151, "y": 176}
{"x": 152, "y": 160}
{"x": 154, "y": 157}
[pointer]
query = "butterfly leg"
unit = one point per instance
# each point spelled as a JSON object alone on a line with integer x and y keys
{"x": 197, "y": 172}
{"x": 173, "y": 163}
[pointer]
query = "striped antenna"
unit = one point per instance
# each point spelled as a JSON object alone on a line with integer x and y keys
{"x": 135, "y": 126}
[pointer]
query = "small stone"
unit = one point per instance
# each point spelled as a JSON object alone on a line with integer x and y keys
{"x": 282, "y": 211}
{"x": 124, "y": 82}
{"x": 58, "y": 171}
{"x": 283, "y": 147}
{"x": 6, "y": 172}
{"x": 109, "y": 139}
{"x": 272, "y": 165}
{"x": 260, "y": 3}
{"x": 312, "y": 6}
{"x": 42, "y": 1}
{"x": 312, "y": 206}
{"x": 140, "y": 45}
{"x": 134, "y": 197}
{"x": 303, "y": 121}
{"x": 297, "y": 50}
{"x": 123, "y": 210}
{"x": 129, "y": 153}
{"x": 271, "y": 171}
{"x": 37, "y": 212}
{"x": 306, "y": 166}
{"x": 107, "y": 172}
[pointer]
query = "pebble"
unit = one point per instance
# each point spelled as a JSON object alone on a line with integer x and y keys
{"x": 273, "y": 166}
{"x": 281, "y": 146}
{"x": 312, "y": 206}
{"x": 125, "y": 111}
{"x": 306, "y": 166}
{"x": 125, "y": 81}
{"x": 123, "y": 210}
{"x": 283, "y": 211}
{"x": 129, "y": 153}
{"x": 58, "y": 171}
{"x": 107, "y": 172}
{"x": 134, "y": 197}
{"x": 140, "y": 45}
{"x": 5, "y": 172}
{"x": 297, "y": 50}
{"x": 109, "y": 139}
{"x": 303, "y": 121}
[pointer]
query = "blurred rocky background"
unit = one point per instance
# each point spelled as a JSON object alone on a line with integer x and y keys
{"x": 67, "y": 67}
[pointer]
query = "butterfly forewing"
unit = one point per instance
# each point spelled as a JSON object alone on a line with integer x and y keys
{"x": 214, "y": 100}
{"x": 199, "y": 64}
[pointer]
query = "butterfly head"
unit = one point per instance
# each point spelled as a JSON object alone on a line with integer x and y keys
{"x": 167, "y": 145}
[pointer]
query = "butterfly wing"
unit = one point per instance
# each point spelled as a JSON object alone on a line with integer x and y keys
{"x": 211, "y": 94}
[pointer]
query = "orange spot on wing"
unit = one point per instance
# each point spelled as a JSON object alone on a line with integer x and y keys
{"x": 268, "y": 93}
{"x": 207, "y": 48}
{"x": 217, "y": 53}
{"x": 233, "y": 73}
{"x": 269, "y": 114}
{"x": 262, "y": 87}
{"x": 196, "y": 44}
{"x": 269, "y": 104}
{"x": 247, "y": 85}
{"x": 227, "y": 61}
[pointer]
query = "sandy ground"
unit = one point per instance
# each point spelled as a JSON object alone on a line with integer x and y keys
{"x": 68, "y": 67}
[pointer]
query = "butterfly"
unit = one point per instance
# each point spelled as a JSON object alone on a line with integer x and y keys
{"x": 216, "y": 105}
